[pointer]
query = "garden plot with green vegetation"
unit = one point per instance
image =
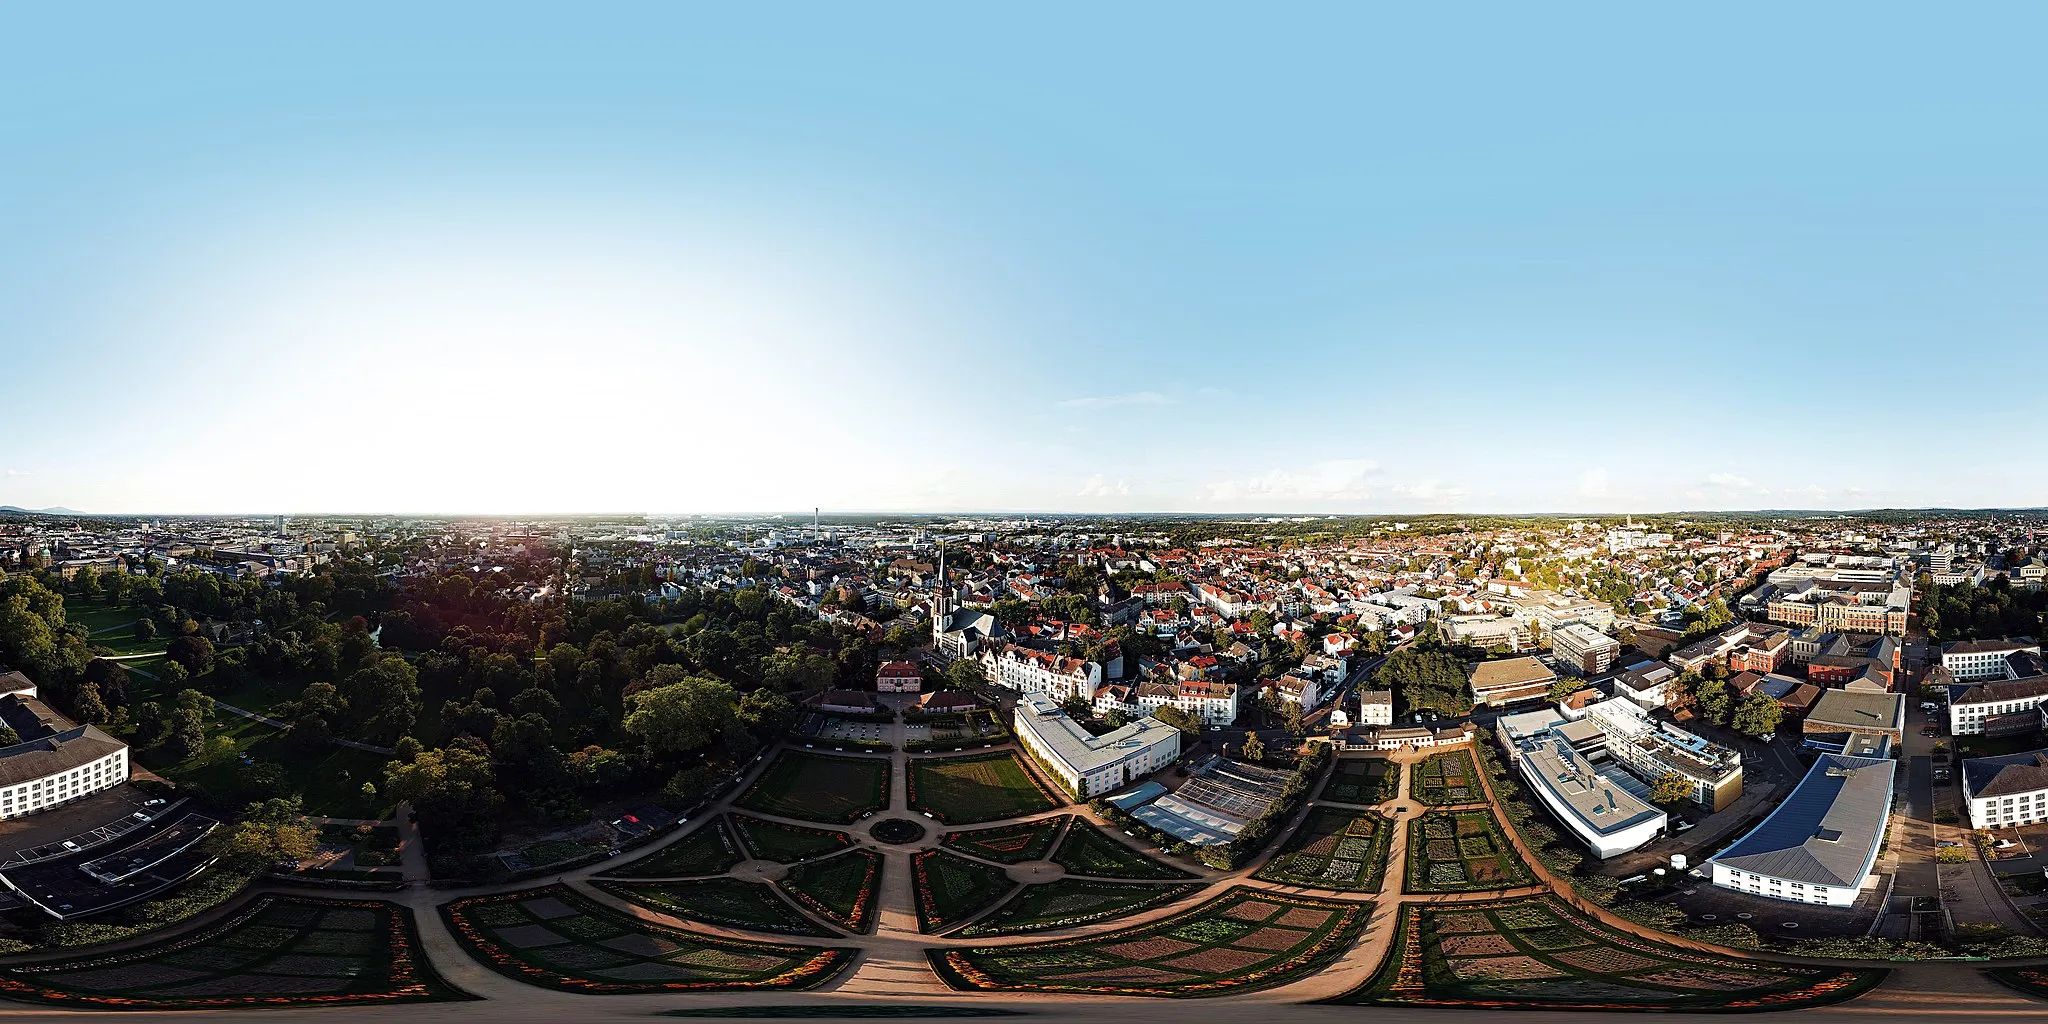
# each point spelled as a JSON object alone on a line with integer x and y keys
{"x": 275, "y": 952}
{"x": 1462, "y": 851}
{"x": 976, "y": 788}
{"x": 709, "y": 849}
{"x": 1536, "y": 953}
{"x": 722, "y": 901}
{"x": 839, "y": 889}
{"x": 1087, "y": 850}
{"x": 556, "y": 938}
{"x": 1009, "y": 844}
{"x": 819, "y": 787}
{"x": 1334, "y": 848}
{"x": 1069, "y": 902}
{"x": 1363, "y": 780}
{"x": 951, "y": 889}
{"x": 787, "y": 844}
{"x": 1446, "y": 778}
{"x": 1244, "y": 940}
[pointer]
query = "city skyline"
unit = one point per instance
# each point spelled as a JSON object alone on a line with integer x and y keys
{"x": 1349, "y": 262}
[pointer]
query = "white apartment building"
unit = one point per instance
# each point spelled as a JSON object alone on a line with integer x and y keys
{"x": 1037, "y": 673}
{"x": 1375, "y": 707}
{"x": 1653, "y": 749}
{"x": 1088, "y": 766}
{"x": 1299, "y": 689}
{"x": 1214, "y": 702}
{"x": 1583, "y": 650}
{"x": 2008, "y": 790}
{"x": 1971, "y": 660}
{"x": 56, "y": 761}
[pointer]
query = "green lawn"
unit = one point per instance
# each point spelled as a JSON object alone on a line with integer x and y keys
{"x": 840, "y": 889}
{"x": 1086, "y": 850}
{"x": 773, "y": 840}
{"x": 1363, "y": 780}
{"x": 1074, "y": 901}
{"x": 554, "y": 938}
{"x": 328, "y": 779}
{"x": 952, "y": 889}
{"x": 819, "y": 787}
{"x": 725, "y": 901}
{"x": 1010, "y": 844}
{"x": 976, "y": 788}
{"x": 1243, "y": 941}
{"x": 1462, "y": 851}
{"x": 1334, "y": 849}
{"x": 708, "y": 849}
{"x": 275, "y": 952}
{"x": 1536, "y": 953}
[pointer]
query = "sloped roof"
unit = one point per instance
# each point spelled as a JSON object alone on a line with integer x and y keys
{"x": 1827, "y": 830}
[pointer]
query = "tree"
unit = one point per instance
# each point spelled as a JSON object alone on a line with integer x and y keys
{"x": 88, "y": 704}
{"x": 8, "y": 737}
{"x": 385, "y": 698}
{"x": 1292, "y": 717}
{"x": 766, "y": 712}
{"x": 594, "y": 767}
{"x": 194, "y": 652}
{"x": 1077, "y": 708}
{"x": 1188, "y": 724}
{"x": 1565, "y": 687}
{"x": 454, "y": 791}
{"x": 1758, "y": 715}
{"x": 1427, "y": 680}
{"x": 1712, "y": 699}
{"x": 680, "y": 717}
{"x": 966, "y": 675}
{"x": 1670, "y": 789}
{"x": 1116, "y": 719}
{"x": 145, "y": 628}
{"x": 270, "y": 832}
{"x": 1254, "y": 749}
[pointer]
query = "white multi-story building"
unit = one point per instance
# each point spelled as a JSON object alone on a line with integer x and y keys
{"x": 1299, "y": 689}
{"x": 1819, "y": 844}
{"x": 1375, "y": 707}
{"x": 1088, "y": 765}
{"x": 1608, "y": 811}
{"x": 1037, "y": 673}
{"x": 1215, "y": 702}
{"x": 1653, "y": 749}
{"x": 56, "y": 761}
{"x": 2008, "y": 790}
{"x": 1971, "y": 660}
{"x": 1583, "y": 650}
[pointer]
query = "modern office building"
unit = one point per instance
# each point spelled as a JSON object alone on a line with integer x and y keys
{"x": 1819, "y": 844}
{"x": 1609, "y": 811}
{"x": 1582, "y": 650}
{"x": 1089, "y": 765}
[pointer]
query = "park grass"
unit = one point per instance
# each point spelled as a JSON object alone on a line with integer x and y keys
{"x": 274, "y": 952}
{"x": 1446, "y": 777}
{"x": 1336, "y": 849}
{"x": 1462, "y": 851}
{"x": 1009, "y": 844}
{"x": 1363, "y": 780}
{"x": 556, "y": 938}
{"x": 720, "y": 901}
{"x": 809, "y": 786}
{"x": 708, "y": 849}
{"x": 328, "y": 779}
{"x": 1069, "y": 902}
{"x": 976, "y": 788}
{"x": 787, "y": 844}
{"x": 1242, "y": 941}
{"x": 1537, "y": 953}
{"x": 1087, "y": 850}
{"x": 951, "y": 889}
{"x": 839, "y": 889}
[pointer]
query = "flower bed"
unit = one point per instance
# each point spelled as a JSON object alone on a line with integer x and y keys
{"x": 1462, "y": 851}
{"x": 708, "y": 849}
{"x": 1537, "y": 953}
{"x": 773, "y": 840}
{"x": 951, "y": 889}
{"x": 1334, "y": 849}
{"x": 1009, "y": 844}
{"x": 840, "y": 889}
{"x": 1086, "y": 850}
{"x": 976, "y": 788}
{"x": 1363, "y": 780}
{"x": 555, "y": 938}
{"x": 1245, "y": 940}
{"x": 277, "y": 951}
{"x": 1446, "y": 778}
{"x": 725, "y": 901}
{"x": 819, "y": 787}
{"x": 1074, "y": 901}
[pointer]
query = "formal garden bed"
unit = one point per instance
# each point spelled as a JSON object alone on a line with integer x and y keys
{"x": 840, "y": 889}
{"x": 951, "y": 889}
{"x": 787, "y": 844}
{"x": 1363, "y": 780}
{"x": 1446, "y": 778}
{"x": 1536, "y": 953}
{"x": 819, "y": 787}
{"x": 722, "y": 901}
{"x": 1246, "y": 939}
{"x": 1010, "y": 844}
{"x": 709, "y": 849}
{"x": 277, "y": 952}
{"x": 1087, "y": 850}
{"x": 555, "y": 938}
{"x": 1068, "y": 902}
{"x": 1336, "y": 849}
{"x": 976, "y": 788}
{"x": 1462, "y": 851}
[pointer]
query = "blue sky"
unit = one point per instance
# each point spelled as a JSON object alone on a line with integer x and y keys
{"x": 1154, "y": 257}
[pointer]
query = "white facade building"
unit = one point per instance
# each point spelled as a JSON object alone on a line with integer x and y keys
{"x": 1037, "y": 673}
{"x": 1086, "y": 765}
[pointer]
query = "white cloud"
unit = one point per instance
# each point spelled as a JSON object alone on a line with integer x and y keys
{"x": 1432, "y": 492}
{"x": 1593, "y": 483}
{"x": 19, "y": 472}
{"x": 1331, "y": 480}
{"x": 1736, "y": 482}
{"x": 1117, "y": 401}
{"x": 1099, "y": 486}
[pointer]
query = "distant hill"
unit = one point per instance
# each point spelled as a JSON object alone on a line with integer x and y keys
{"x": 55, "y": 510}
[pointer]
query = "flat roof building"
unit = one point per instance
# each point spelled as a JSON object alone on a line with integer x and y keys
{"x": 1088, "y": 766}
{"x": 1608, "y": 811}
{"x": 1509, "y": 681}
